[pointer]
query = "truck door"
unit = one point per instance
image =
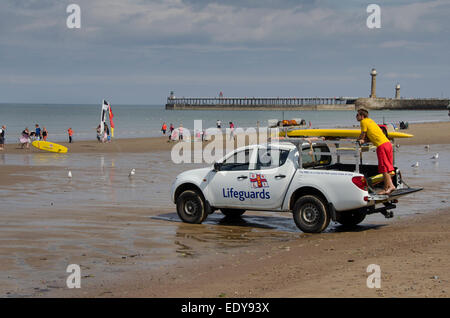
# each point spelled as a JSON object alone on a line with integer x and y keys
{"x": 230, "y": 187}
{"x": 273, "y": 173}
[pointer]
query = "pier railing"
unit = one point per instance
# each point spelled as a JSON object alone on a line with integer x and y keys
{"x": 257, "y": 101}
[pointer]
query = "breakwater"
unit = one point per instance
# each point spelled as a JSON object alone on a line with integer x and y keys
{"x": 403, "y": 103}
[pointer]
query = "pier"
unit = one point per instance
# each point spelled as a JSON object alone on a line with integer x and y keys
{"x": 268, "y": 103}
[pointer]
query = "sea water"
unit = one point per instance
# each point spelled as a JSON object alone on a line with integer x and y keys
{"x": 134, "y": 121}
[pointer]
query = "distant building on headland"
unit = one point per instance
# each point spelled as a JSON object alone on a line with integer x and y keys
{"x": 309, "y": 103}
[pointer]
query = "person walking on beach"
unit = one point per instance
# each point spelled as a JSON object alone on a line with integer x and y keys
{"x": 203, "y": 134}
{"x": 2, "y": 137}
{"x": 372, "y": 132}
{"x": 180, "y": 132}
{"x": 44, "y": 133}
{"x": 231, "y": 130}
{"x": 70, "y": 132}
{"x": 38, "y": 132}
{"x": 25, "y": 138}
{"x": 164, "y": 129}
{"x": 171, "y": 129}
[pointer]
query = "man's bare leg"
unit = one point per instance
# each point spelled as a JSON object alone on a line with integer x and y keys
{"x": 388, "y": 185}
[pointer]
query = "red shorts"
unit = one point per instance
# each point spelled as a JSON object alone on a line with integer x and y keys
{"x": 385, "y": 158}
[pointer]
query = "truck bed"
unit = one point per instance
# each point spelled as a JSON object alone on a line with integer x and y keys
{"x": 367, "y": 170}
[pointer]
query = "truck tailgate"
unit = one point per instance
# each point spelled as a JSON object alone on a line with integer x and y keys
{"x": 378, "y": 198}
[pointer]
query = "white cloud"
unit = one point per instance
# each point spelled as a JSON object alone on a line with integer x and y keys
{"x": 170, "y": 22}
{"x": 405, "y": 44}
{"x": 395, "y": 75}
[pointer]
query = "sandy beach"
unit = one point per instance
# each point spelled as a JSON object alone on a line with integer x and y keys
{"x": 129, "y": 241}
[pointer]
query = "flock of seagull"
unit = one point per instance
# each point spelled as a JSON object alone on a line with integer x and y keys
{"x": 435, "y": 157}
{"x": 130, "y": 175}
{"x": 427, "y": 147}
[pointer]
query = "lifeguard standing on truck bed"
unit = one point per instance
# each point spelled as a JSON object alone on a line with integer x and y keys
{"x": 370, "y": 130}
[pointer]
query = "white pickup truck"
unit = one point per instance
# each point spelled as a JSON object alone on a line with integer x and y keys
{"x": 274, "y": 177}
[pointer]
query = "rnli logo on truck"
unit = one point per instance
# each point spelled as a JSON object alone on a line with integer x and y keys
{"x": 258, "y": 181}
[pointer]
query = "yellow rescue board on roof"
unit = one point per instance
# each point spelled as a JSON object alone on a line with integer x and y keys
{"x": 49, "y": 146}
{"x": 338, "y": 133}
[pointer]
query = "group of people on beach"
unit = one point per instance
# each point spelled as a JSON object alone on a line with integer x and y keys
{"x": 179, "y": 133}
{"x": 103, "y": 136}
{"x": 27, "y": 137}
{"x": 170, "y": 131}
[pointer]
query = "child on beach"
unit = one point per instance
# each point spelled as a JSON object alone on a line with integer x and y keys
{"x": 44, "y": 133}
{"x": 106, "y": 137}
{"x": 33, "y": 136}
{"x": 164, "y": 128}
{"x": 70, "y": 132}
{"x": 99, "y": 133}
{"x": 38, "y": 132}
{"x": 371, "y": 131}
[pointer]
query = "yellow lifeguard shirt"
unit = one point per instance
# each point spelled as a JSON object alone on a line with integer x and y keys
{"x": 373, "y": 132}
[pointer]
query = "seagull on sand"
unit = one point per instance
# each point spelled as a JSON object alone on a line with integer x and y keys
{"x": 132, "y": 173}
{"x": 69, "y": 175}
{"x": 415, "y": 165}
{"x": 427, "y": 147}
{"x": 436, "y": 156}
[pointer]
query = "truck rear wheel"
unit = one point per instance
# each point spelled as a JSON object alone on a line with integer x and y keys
{"x": 350, "y": 218}
{"x": 310, "y": 214}
{"x": 234, "y": 213}
{"x": 191, "y": 207}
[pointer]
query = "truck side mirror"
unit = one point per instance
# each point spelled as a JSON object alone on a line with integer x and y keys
{"x": 217, "y": 166}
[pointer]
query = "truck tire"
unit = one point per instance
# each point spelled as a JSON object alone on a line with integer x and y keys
{"x": 350, "y": 218}
{"x": 310, "y": 214}
{"x": 191, "y": 207}
{"x": 232, "y": 213}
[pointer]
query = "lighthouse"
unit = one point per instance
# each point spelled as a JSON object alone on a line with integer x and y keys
{"x": 397, "y": 91}
{"x": 373, "y": 88}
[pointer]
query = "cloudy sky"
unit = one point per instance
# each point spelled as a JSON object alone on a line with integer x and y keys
{"x": 137, "y": 51}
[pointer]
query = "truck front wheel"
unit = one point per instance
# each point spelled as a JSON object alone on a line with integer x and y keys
{"x": 310, "y": 214}
{"x": 191, "y": 207}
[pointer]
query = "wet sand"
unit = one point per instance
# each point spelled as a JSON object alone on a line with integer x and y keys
{"x": 262, "y": 255}
{"x": 426, "y": 133}
{"x": 412, "y": 255}
{"x": 221, "y": 258}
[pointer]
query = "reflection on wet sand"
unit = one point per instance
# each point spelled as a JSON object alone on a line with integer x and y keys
{"x": 108, "y": 222}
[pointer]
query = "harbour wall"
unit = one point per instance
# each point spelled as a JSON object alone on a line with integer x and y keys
{"x": 403, "y": 103}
